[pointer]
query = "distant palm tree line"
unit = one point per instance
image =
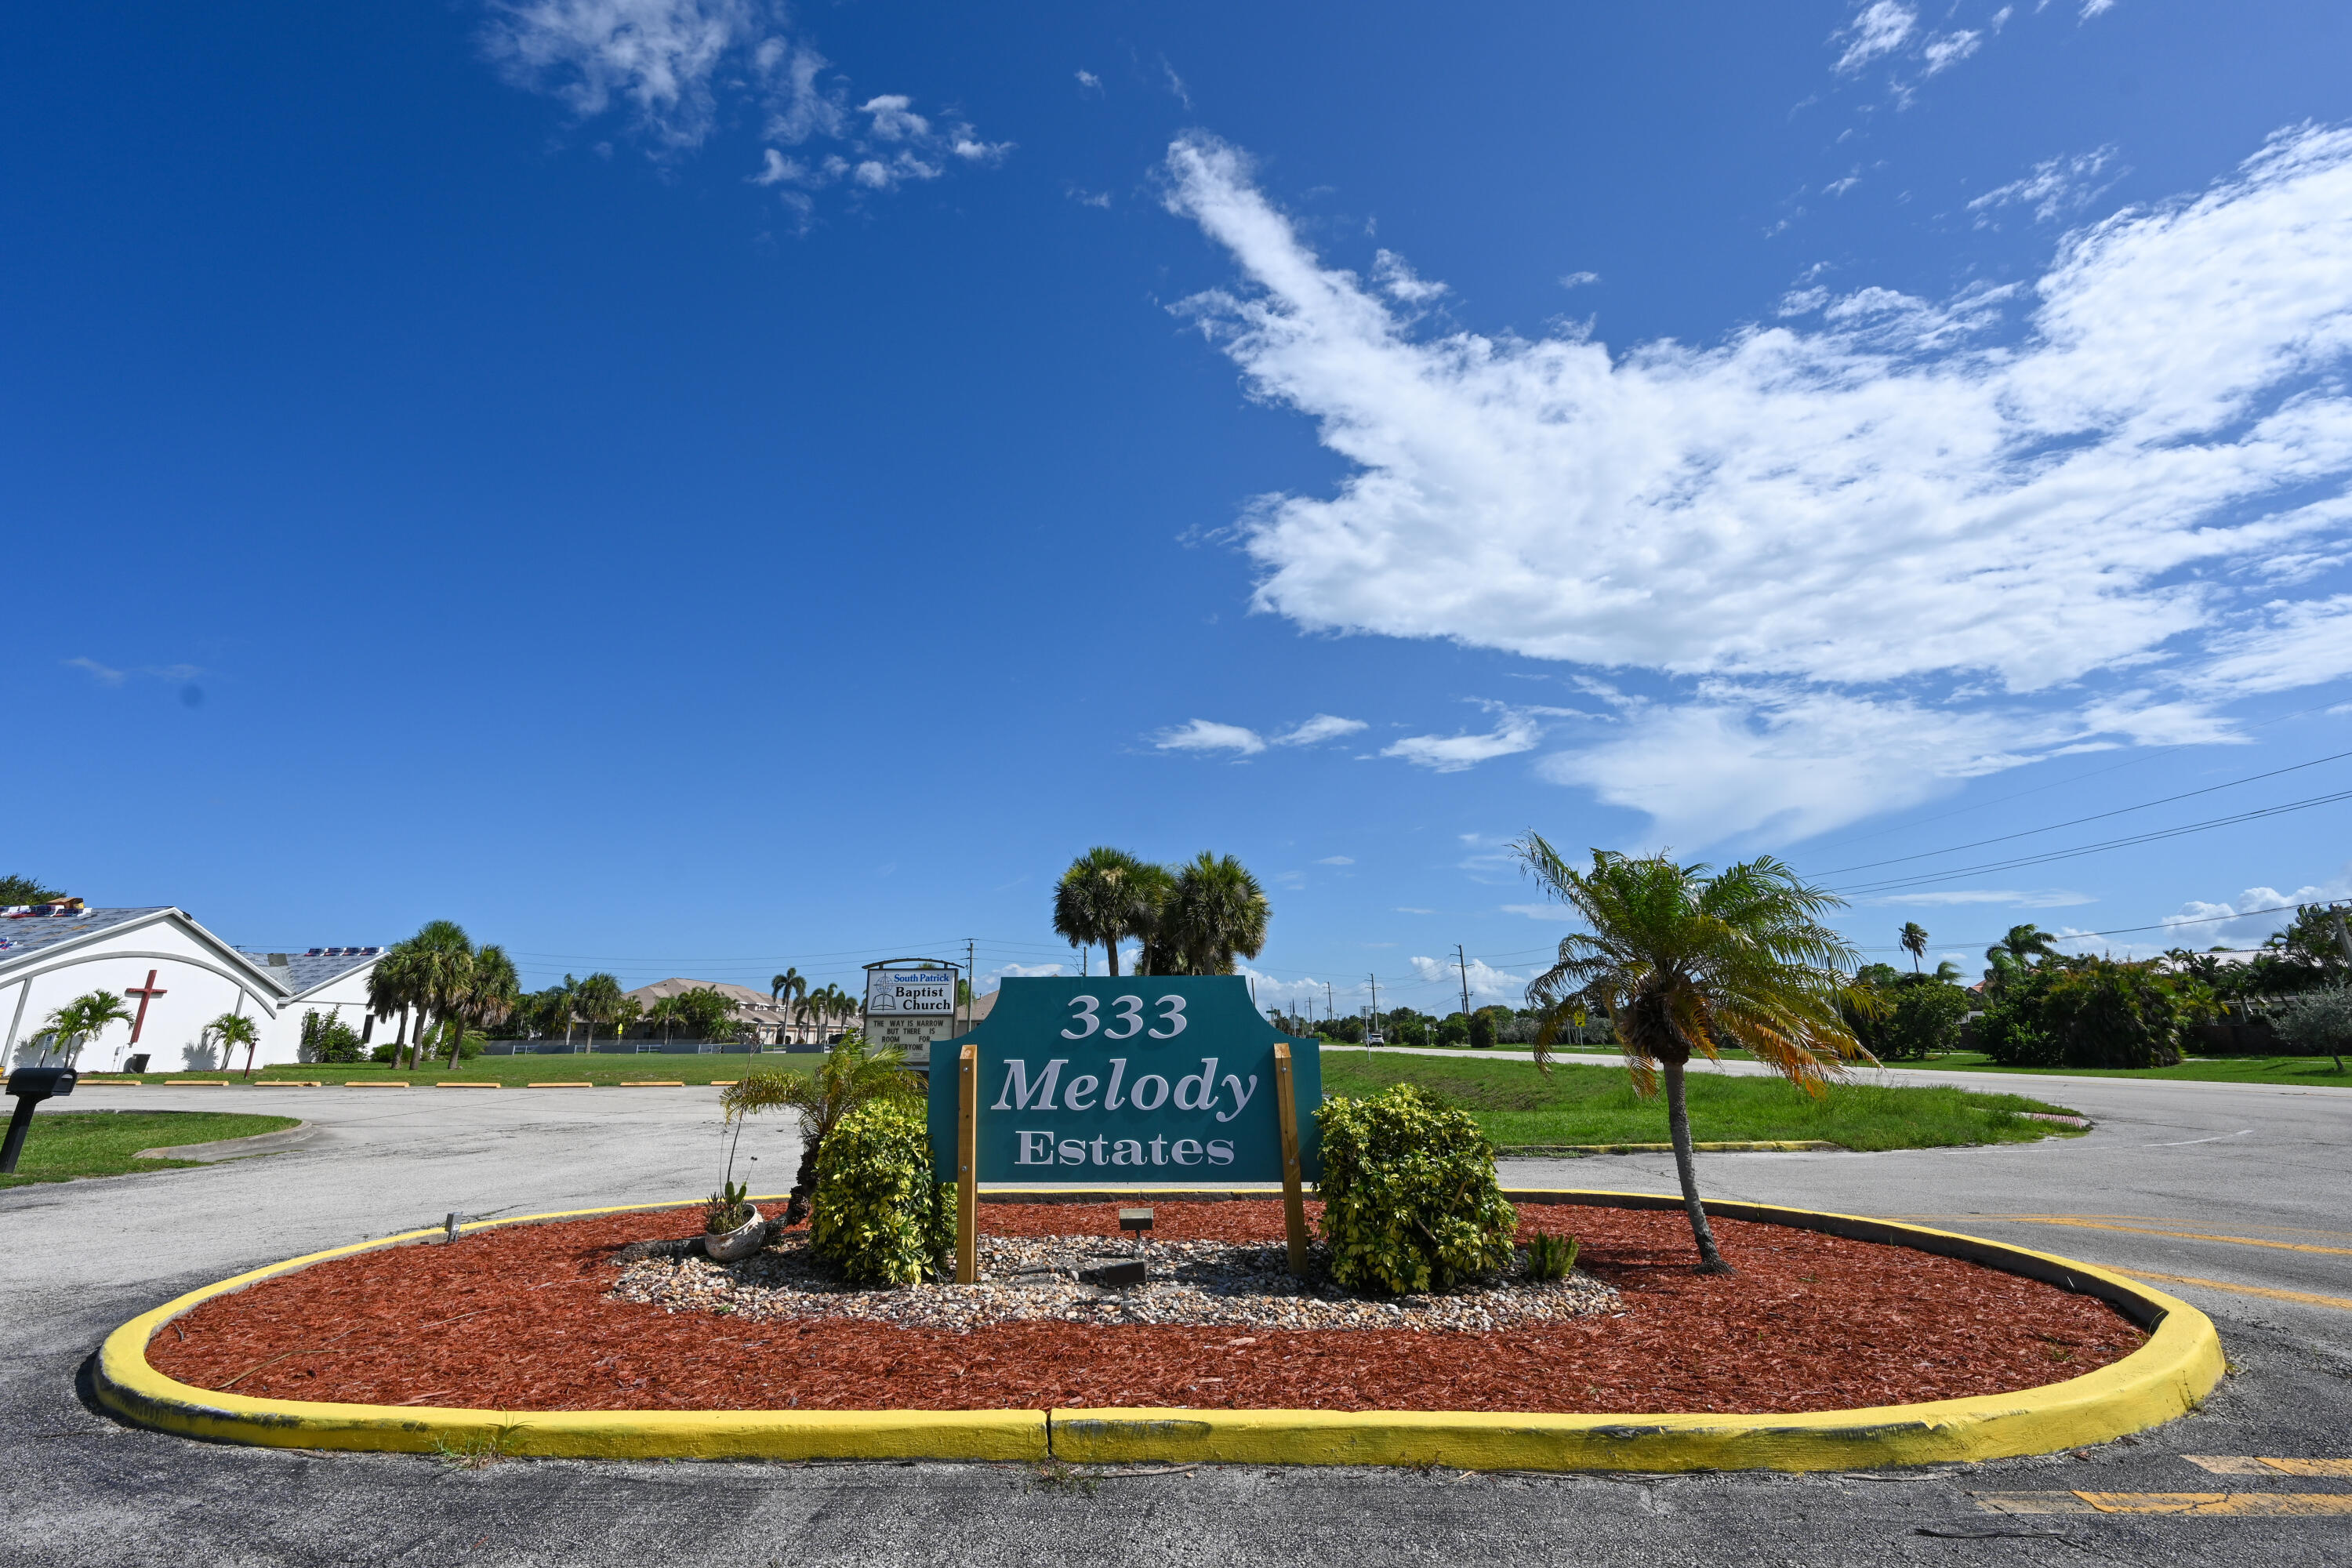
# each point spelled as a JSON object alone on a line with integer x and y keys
{"x": 1194, "y": 918}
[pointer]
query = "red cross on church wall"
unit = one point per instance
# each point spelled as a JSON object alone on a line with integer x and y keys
{"x": 145, "y": 994}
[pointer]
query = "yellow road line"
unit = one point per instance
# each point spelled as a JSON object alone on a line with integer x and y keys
{"x": 2075, "y": 1218}
{"x": 2191, "y": 1235}
{"x": 2221, "y": 1505}
{"x": 2243, "y": 1465}
{"x": 2305, "y": 1296}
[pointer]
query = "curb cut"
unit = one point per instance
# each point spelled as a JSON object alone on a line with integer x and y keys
{"x": 2167, "y": 1377}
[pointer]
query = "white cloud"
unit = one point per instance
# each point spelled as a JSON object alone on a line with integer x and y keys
{"x": 1409, "y": 910}
{"x": 1921, "y": 541}
{"x": 1322, "y": 727}
{"x": 1878, "y": 28}
{"x": 1337, "y": 860}
{"x": 1089, "y": 82}
{"x": 2056, "y": 187}
{"x": 1487, "y": 984}
{"x": 105, "y": 675}
{"x": 2199, "y": 929}
{"x": 1206, "y": 735}
{"x": 1949, "y": 49}
{"x": 2097, "y": 8}
{"x": 2295, "y": 644}
{"x": 1451, "y": 754}
{"x": 1400, "y": 282}
{"x": 1579, "y": 280}
{"x": 2047, "y": 898}
{"x": 681, "y": 69}
{"x": 1553, "y": 912}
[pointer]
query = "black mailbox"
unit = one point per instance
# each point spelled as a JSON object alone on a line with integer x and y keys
{"x": 41, "y": 1083}
{"x": 30, "y": 1086}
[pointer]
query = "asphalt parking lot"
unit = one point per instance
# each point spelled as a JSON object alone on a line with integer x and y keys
{"x": 2239, "y": 1190}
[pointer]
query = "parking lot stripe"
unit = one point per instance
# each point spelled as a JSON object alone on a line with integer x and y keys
{"x": 2211, "y": 1505}
{"x": 2244, "y": 1464}
{"x": 2192, "y": 1235}
{"x": 2305, "y": 1298}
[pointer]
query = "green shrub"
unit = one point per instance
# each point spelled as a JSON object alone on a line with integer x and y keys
{"x": 880, "y": 1216}
{"x": 2087, "y": 1012}
{"x": 1551, "y": 1256}
{"x": 1410, "y": 1201}
{"x": 1454, "y": 1031}
{"x": 1482, "y": 1030}
{"x": 327, "y": 1038}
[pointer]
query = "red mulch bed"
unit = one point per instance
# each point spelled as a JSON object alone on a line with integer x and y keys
{"x": 517, "y": 1319}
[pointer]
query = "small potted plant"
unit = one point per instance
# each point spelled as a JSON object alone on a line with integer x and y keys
{"x": 731, "y": 1226}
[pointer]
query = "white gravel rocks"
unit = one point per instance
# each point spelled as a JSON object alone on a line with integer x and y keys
{"x": 1036, "y": 1279}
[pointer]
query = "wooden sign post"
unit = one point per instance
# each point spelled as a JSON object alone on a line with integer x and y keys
{"x": 968, "y": 1165}
{"x": 1294, "y": 1195}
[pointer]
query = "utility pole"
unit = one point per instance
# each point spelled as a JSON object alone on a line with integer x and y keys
{"x": 971, "y": 980}
{"x": 2343, "y": 937}
{"x": 1329, "y": 1012}
{"x": 1376, "y": 994}
{"x": 1464, "y": 964}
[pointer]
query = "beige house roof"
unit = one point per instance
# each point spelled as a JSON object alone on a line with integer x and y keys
{"x": 755, "y": 1007}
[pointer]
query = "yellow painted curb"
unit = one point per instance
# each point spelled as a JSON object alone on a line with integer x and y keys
{"x": 2167, "y": 1377}
{"x": 468, "y": 1083}
{"x": 195, "y": 1083}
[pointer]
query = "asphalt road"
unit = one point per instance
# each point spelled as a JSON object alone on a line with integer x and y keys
{"x": 2182, "y": 1180}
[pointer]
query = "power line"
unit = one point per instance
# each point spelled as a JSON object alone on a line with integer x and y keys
{"x": 2054, "y": 783}
{"x": 1897, "y": 882}
{"x": 2077, "y": 822}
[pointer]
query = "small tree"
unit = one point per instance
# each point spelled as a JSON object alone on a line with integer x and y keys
{"x": 80, "y": 1021}
{"x": 16, "y": 890}
{"x": 2316, "y": 1024}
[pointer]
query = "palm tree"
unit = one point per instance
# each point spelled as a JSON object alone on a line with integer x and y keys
{"x": 395, "y": 985}
{"x": 233, "y": 1031}
{"x": 487, "y": 996}
{"x": 443, "y": 955}
{"x": 1913, "y": 937}
{"x": 1682, "y": 961}
{"x": 82, "y": 1020}
{"x": 2014, "y": 953}
{"x": 599, "y": 1000}
{"x": 1214, "y": 912}
{"x": 786, "y": 989}
{"x": 1097, "y": 899}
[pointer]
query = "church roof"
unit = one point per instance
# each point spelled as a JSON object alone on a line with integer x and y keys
{"x": 756, "y": 1005}
{"x": 304, "y": 972}
{"x": 20, "y": 935}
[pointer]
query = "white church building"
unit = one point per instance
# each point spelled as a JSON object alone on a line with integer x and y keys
{"x": 175, "y": 977}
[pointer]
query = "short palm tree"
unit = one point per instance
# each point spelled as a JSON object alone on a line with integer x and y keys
{"x": 395, "y": 985}
{"x": 1214, "y": 913}
{"x": 2023, "y": 947}
{"x": 850, "y": 1075}
{"x": 1682, "y": 961}
{"x": 231, "y": 1031}
{"x": 1913, "y": 937}
{"x": 80, "y": 1021}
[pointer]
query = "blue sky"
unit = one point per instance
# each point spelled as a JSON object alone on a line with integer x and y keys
{"x": 686, "y": 487}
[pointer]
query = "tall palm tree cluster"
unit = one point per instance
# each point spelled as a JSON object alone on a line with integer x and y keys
{"x": 439, "y": 979}
{"x": 823, "y": 1007}
{"x": 1193, "y": 918}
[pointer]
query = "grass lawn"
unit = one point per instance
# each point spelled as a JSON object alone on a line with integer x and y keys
{"x": 1515, "y": 1104}
{"x": 64, "y": 1144}
{"x": 599, "y": 1067}
{"x": 2307, "y": 1071}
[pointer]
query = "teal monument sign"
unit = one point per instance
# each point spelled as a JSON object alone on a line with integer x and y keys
{"x": 1139, "y": 1080}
